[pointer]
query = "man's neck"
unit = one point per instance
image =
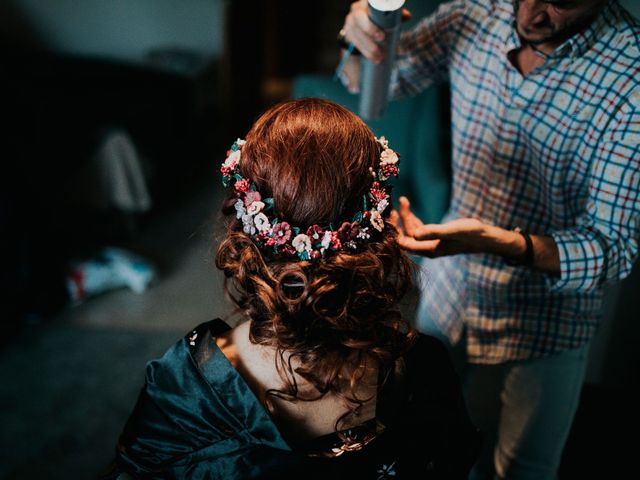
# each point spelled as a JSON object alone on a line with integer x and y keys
{"x": 526, "y": 59}
{"x": 544, "y": 49}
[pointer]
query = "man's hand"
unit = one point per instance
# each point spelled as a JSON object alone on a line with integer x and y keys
{"x": 470, "y": 235}
{"x": 464, "y": 235}
{"x": 363, "y": 33}
{"x": 366, "y": 37}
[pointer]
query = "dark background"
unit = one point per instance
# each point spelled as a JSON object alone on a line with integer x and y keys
{"x": 58, "y": 105}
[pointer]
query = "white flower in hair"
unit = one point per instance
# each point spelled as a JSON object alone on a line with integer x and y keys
{"x": 382, "y": 204}
{"x": 248, "y": 226}
{"x": 262, "y": 222}
{"x": 232, "y": 160}
{"x": 363, "y": 234}
{"x": 301, "y": 243}
{"x": 388, "y": 156}
{"x": 255, "y": 207}
{"x": 326, "y": 241}
{"x": 376, "y": 220}
{"x": 240, "y": 210}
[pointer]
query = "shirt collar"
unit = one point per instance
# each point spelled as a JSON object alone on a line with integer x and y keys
{"x": 581, "y": 42}
{"x": 578, "y": 44}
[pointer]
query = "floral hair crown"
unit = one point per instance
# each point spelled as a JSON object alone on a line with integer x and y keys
{"x": 278, "y": 237}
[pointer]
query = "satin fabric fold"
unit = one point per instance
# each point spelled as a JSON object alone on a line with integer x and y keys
{"x": 199, "y": 420}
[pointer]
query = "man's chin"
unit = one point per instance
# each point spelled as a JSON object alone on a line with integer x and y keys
{"x": 535, "y": 38}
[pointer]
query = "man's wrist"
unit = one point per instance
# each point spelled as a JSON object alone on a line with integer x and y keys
{"x": 344, "y": 44}
{"x": 521, "y": 252}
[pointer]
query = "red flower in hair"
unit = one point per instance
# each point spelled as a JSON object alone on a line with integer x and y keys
{"x": 241, "y": 185}
{"x": 389, "y": 170}
{"x": 348, "y": 231}
{"x": 315, "y": 232}
{"x": 287, "y": 249}
{"x": 336, "y": 244}
{"x": 270, "y": 242}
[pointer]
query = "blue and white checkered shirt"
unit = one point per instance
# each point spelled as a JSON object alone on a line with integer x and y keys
{"x": 555, "y": 152}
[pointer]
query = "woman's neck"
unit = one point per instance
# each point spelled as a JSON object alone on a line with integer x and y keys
{"x": 297, "y": 420}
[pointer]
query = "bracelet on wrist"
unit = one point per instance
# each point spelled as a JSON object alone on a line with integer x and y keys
{"x": 345, "y": 44}
{"x": 526, "y": 259}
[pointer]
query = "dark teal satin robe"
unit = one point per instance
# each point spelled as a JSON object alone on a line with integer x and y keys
{"x": 196, "y": 418}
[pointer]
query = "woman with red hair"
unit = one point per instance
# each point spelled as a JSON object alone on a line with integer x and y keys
{"x": 324, "y": 379}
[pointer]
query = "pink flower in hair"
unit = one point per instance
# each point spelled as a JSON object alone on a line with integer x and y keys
{"x": 301, "y": 243}
{"x": 282, "y": 233}
{"x": 378, "y": 193}
{"x": 252, "y": 196}
{"x": 255, "y": 208}
{"x": 241, "y": 185}
{"x": 376, "y": 220}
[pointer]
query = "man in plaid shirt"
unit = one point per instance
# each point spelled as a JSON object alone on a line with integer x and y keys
{"x": 545, "y": 206}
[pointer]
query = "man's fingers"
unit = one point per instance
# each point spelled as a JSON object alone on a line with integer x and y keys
{"x": 367, "y": 46}
{"x": 427, "y": 248}
{"x": 364, "y": 23}
{"x": 468, "y": 229}
{"x": 363, "y": 33}
{"x": 410, "y": 222}
{"x": 394, "y": 219}
{"x": 433, "y": 232}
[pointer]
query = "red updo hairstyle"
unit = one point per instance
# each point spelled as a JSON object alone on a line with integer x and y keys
{"x": 332, "y": 315}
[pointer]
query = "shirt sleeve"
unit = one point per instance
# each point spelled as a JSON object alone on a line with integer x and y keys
{"x": 603, "y": 245}
{"x": 423, "y": 52}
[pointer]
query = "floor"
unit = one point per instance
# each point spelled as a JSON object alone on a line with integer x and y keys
{"x": 69, "y": 383}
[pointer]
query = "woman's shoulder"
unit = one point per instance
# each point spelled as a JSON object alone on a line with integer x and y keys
{"x": 186, "y": 356}
{"x": 201, "y": 335}
{"x": 200, "y": 341}
{"x": 191, "y": 401}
